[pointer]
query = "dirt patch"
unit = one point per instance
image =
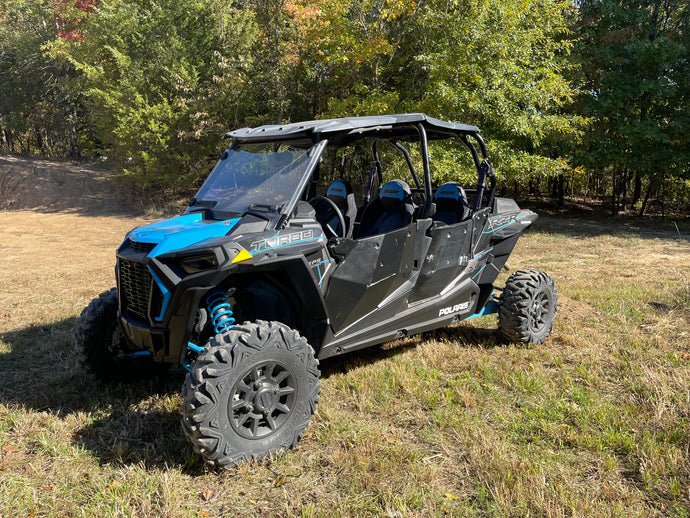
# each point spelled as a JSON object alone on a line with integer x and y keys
{"x": 47, "y": 186}
{"x": 575, "y": 310}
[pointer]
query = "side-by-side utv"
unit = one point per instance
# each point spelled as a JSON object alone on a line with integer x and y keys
{"x": 309, "y": 240}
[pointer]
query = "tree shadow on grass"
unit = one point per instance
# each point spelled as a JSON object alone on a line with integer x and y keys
{"x": 127, "y": 423}
{"x": 585, "y": 227}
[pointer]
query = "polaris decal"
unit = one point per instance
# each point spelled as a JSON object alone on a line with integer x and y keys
{"x": 281, "y": 240}
{"x": 454, "y": 309}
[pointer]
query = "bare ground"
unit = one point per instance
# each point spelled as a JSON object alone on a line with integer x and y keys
{"x": 60, "y": 223}
{"x": 50, "y": 187}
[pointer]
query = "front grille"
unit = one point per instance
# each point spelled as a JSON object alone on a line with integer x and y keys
{"x": 135, "y": 287}
{"x": 141, "y": 247}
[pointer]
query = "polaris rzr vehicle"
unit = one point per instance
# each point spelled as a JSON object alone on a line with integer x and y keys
{"x": 307, "y": 241}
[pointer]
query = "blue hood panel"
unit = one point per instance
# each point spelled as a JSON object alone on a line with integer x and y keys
{"x": 181, "y": 232}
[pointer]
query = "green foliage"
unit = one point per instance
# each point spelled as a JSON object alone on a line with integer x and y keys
{"x": 495, "y": 64}
{"x": 636, "y": 86}
{"x": 38, "y": 106}
{"x": 151, "y": 84}
{"x": 153, "y": 71}
{"x": 502, "y": 66}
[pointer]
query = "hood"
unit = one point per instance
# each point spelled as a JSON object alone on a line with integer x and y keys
{"x": 181, "y": 232}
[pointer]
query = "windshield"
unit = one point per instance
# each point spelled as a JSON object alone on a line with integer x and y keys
{"x": 253, "y": 177}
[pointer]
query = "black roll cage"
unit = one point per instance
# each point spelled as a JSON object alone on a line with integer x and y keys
{"x": 485, "y": 170}
{"x": 343, "y": 132}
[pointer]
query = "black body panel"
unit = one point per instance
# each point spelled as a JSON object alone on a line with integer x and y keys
{"x": 274, "y": 262}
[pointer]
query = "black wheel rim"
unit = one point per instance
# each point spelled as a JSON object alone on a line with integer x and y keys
{"x": 539, "y": 311}
{"x": 262, "y": 400}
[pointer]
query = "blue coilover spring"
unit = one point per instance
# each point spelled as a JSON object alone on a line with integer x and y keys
{"x": 220, "y": 311}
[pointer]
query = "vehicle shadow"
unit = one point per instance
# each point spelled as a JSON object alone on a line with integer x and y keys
{"x": 138, "y": 423}
{"x": 463, "y": 335}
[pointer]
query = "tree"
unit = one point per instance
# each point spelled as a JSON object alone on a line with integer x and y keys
{"x": 499, "y": 65}
{"x": 39, "y": 111}
{"x": 156, "y": 78}
{"x": 635, "y": 69}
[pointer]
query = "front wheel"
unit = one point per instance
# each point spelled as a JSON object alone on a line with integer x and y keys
{"x": 527, "y": 307}
{"x": 250, "y": 394}
{"x": 104, "y": 349}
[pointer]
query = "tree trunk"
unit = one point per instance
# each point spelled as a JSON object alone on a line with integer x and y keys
{"x": 646, "y": 198}
{"x": 614, "y": 194}
{"x": 637, "y": 192}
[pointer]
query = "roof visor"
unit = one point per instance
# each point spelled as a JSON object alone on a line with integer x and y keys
{"x": 398, "y": 126}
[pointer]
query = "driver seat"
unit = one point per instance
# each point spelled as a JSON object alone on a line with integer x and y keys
{"x": 340, "y": 192}
{"x": 391, "y": 209}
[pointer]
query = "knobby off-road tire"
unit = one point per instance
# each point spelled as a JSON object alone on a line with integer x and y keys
{"x": 102, "y": 347}
{"x": 527, "y": 307}
{"x": 250, "y": 394}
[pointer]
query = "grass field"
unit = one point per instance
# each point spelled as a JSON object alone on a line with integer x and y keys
{"x": 595, "y": 422}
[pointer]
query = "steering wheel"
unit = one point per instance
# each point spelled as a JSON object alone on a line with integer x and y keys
{"x": 326, "y": 210}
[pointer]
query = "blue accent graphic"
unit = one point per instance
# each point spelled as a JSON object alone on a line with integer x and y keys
{"x": 337, "y": 189}
{"x": 286, "y": 244}
{"x": 318, "y": 269}
{"x": 167, "y": 294}
{"x": 483, "y": 253}
{"x": 489, "y": 309}
{"x": 392, "y": 190}
{"x": 477, "y": 274}
{"x": 140, "y": 354}
{"x": 181, "y": 232}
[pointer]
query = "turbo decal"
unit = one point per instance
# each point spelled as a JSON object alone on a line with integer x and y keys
{"x": 281, "y": 240}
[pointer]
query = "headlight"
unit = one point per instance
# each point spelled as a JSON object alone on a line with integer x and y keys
{"x": 198, "y": 263}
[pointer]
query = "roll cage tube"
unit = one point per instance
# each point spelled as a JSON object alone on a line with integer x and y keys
{"x": 314, "y": 156}
{"x": 427, "y": 210}
{"x": 484, "y": 170}
{"x": 409, "y": 162}
{"x": 489, "y": 170}
{"x": 374, "y": 168}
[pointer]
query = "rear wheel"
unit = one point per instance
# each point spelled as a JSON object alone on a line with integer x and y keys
{"x": 250, "y": 394}
{"x": 103, "y": 348}
{"x": 527, "y": 307}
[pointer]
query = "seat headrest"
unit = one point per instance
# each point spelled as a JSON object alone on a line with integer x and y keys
{"x": 448, "y": 190}
{"x": 394, "y": 194}
{"x": 339, "y": 188}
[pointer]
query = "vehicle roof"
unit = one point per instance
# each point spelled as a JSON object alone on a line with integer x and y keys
{"x": 344, "y": 130}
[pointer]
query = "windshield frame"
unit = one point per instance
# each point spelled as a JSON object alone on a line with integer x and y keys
{"x": 276, "y": 215}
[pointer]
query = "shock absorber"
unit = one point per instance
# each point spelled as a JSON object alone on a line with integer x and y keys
{"x": 220, "y": 311}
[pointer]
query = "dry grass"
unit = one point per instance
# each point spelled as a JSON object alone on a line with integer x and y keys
{"x": 596, "y": 422}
